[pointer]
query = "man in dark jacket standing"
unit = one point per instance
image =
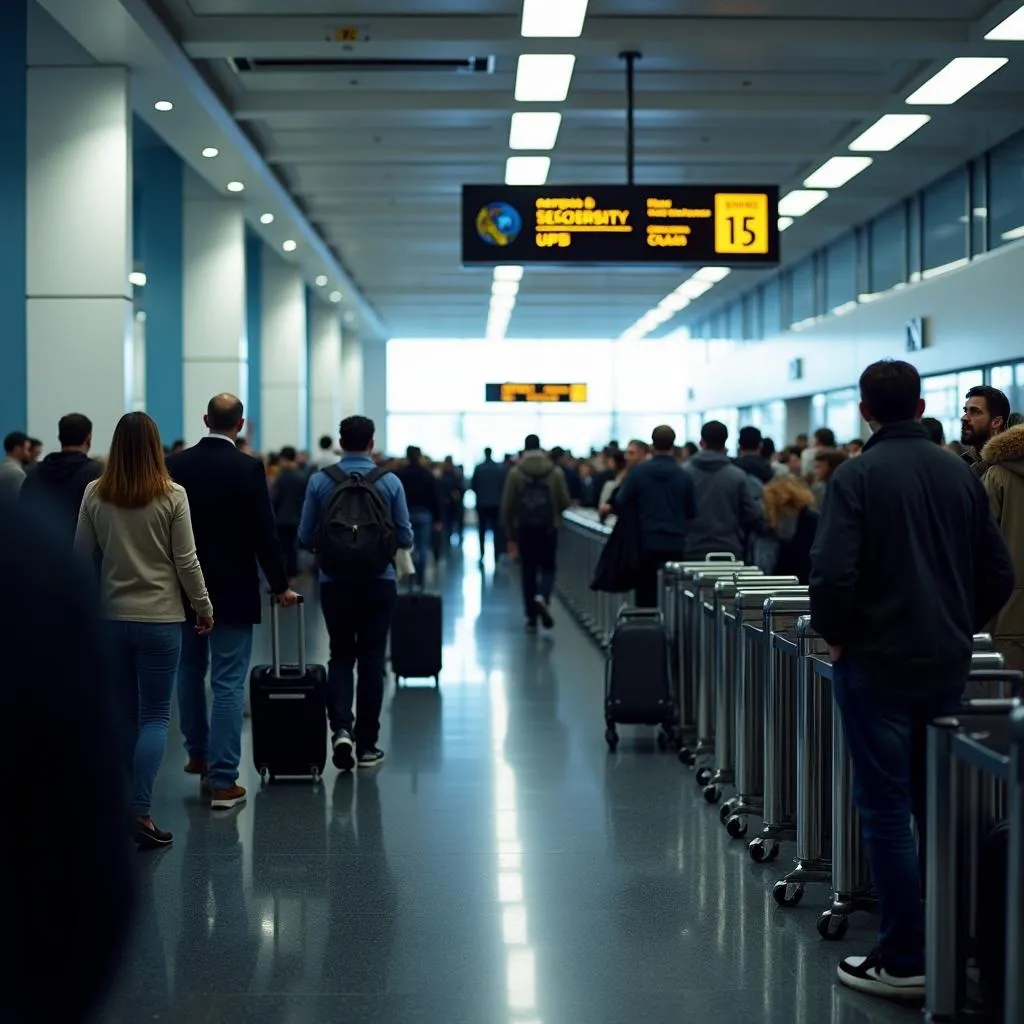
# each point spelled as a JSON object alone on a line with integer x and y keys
{"x": 488, "y": 483}
{"x": 424, "y": 499}
{"x": 907, "y": 565}
{"x": 59, "y": 481}
{"x": 750, "y": 458}
{"x": 727, "y": 512}
{"x": 235, "y": 536}
{"x": 666, "y": 501}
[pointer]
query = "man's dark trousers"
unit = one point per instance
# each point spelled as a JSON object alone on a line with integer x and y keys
{"x": 537, "y": 552}
{"x": 488, "y": 518}
{"x": 651, "y": 563}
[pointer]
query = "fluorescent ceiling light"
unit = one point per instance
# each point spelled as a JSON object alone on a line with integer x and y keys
{"x": 235, "y": 186}
{"x": 509, "y": 289}
{"x": 838, "y": 171}
{"x": 210, "y": 152}
{"x": 508, "y": 273}
{"x": 544, "y": 77}
{"x": 289, "y": 245}
{"x": 551, "y": 19}
{"x": 502, "y": 302}
{"x": 1011, "y": 28}
{"x": 1013, "y": 234}
{"x": 786, "y": 222}
{"x": 137, "y": 278}
{"x": 712, "y": 274}
{"x": 266, "y": 218}
{"x": 163, "y": 106}
{"x": 674, "y": 302}
{"x": 888, "y": 132}
{"x": 694, "y": 289}
{"x": 527, "y": 170}
{"x": 800, "y": 201}
{"x": 534, "y": 130}
{"x": 956, "y": 79}
{"x": 336, "y": 297}
{"x": 321, "y": 280}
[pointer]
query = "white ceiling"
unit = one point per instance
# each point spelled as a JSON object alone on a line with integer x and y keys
{"x": 732, "y": 91}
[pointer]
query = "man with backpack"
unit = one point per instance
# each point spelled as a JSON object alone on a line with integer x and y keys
{"x": 355, "y": 518}
{"x": 534, "y": 499}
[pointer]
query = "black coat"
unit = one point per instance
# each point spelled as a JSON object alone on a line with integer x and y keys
{"x": 234, "y": 527}
{"x": 907, "y": 563}
{"x": 56, "y": 487}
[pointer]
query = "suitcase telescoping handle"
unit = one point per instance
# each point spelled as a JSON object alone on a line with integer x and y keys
{"x": 720, "y": 556}
{"x": 275, "y": 634}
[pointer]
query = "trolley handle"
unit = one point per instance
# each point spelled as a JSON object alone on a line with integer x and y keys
{"x": 275, "y": 634}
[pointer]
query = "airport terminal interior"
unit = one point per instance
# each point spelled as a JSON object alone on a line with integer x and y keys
{"x": 473, "y": 221}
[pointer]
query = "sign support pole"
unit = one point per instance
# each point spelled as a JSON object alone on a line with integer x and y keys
{"x": 630, "y": 57}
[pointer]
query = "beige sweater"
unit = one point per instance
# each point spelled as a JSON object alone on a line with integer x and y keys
{"x": 147, "y": 552}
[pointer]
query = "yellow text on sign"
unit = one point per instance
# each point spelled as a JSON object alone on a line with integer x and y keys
{"x": 348, "y": 34}
{"x": 741, "y": 222}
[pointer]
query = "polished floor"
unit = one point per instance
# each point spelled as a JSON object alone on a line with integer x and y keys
{"x": 499, "y": 868}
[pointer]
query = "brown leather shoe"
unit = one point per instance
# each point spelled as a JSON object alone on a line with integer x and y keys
{"x": 195, "y": 767}
{"x": 225, "y": 799}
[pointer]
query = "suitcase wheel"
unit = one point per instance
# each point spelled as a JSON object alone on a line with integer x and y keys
{"x": 265, "y": 776}
{"x": 611, "y": 737}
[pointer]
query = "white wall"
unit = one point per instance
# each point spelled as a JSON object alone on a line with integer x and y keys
{"x": 325, "y": 373}
{"x": 375, "y": 389}
{"x": 283, "y": 355}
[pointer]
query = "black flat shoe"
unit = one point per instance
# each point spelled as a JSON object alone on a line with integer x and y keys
{"x": 149, "y": 837}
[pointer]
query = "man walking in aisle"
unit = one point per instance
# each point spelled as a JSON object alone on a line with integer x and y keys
{"x": 488, "y": 483}
{"x": 235, "y": 536}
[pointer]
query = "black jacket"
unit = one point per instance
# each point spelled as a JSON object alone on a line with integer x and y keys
{"x": 287, "y": 497}
{"x": 907, "y": 564}
{"x": 666, "y": 501}
{"x": 234, "y": 527}
{"x": 756, "y": 466}
{"x": 57, "y": 485}
{"x": 421, "y": 489}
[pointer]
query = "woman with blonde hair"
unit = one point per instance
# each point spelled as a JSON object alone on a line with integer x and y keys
{"x": 139, "y": 521}
{"x": 791, "y": 521}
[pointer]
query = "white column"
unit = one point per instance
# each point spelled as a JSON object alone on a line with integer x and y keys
{"x": 79, "y": 249}
{"x": 325, "y": 375}
{"x": 375, "y": 386}
{"x": 351, "y": 374}
{"x": 214, "y": 325}
{"x": 284, "y": 357}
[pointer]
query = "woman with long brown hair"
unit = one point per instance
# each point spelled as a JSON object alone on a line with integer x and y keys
{"x": 139, "y": 520}
{"x": 791, "y": 521}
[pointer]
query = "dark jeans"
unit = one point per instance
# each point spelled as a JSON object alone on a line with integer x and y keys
{"x": 358, "y": 617}
{"x": 422, "y": 520}
{"x": 651, "y": 562}
{"x": 886, "y": 735}
{"x": 537, "y": 551}
{"x": 287, "y": 537}
{"x": 488, "y": 518}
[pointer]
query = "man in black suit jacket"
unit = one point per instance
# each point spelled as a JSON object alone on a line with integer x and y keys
{"x": 235, "y": 535}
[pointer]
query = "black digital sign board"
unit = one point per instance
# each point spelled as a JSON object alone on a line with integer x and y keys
{"x": 620, "y": 224}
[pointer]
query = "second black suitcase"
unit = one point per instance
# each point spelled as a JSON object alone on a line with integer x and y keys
{"x": 638, "y": 679}
{"x": 416, "y": 637}
{"x": 289, "y": 710}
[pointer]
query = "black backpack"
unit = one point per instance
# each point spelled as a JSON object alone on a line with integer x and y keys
{"x": 536, "y": 505}
{"x": 357, "y": 534}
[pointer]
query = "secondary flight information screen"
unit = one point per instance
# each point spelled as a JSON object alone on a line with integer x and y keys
{"x": 536, "y": 392}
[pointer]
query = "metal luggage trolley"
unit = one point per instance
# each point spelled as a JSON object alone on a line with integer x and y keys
{"x": 580, "y": 548}
{"x": 975, "y": 768}
{"x": 725, "y": 640}
{"x": 782, "y": 614}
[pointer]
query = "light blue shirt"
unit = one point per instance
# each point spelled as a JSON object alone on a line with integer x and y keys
{"x": 321, "y": 486}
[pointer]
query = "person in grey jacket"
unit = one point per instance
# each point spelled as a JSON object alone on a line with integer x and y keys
{"x": 727, "y": 512}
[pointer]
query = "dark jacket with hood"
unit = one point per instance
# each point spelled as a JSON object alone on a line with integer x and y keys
{"x": 1003, "y": 480}
{"x": 727, "y": 512}
{"x": 535, "y": 465}
{"x": 758, "y": 467}
{"x": 665, "y": 499}
{"x": 908, "y": 563}
{"x": 58, "y": 485}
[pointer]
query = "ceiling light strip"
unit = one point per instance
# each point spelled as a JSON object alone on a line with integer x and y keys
{"x": 553, "y": 19}
{"x": 955, "y": 80}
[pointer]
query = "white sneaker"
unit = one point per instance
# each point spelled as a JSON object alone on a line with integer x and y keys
{"x": 866, "y": 974}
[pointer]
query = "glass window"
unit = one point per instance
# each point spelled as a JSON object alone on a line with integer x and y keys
{"x": 735, "y": 320}
{"x": 1006, "y": 192}
{"x": 771, "y": 301}
{"x": 914, "y": 238}
{"x": 842, "y": 414}
{"x": 769, "y": 418}
{"x": 1010, "y": 380}
{"x": 979, "y": 206}
{"x": 753, "y": 326}
{"x": 944, "y": 220}
{"x": 944, "y": 398}
{"x": 887, "y": 261}
{"x": 841, "y": 272}
{"x": 802, "y": 298}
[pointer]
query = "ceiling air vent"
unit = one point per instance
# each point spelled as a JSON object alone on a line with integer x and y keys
{"x": 458, "y": 66}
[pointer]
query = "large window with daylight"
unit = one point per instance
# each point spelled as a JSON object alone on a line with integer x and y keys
{"x": 887, "y": 240}
{"x": 1006, "y": 192}
{"x": 945, "y": 221}
{"x": 944, "y": 396}
{"x": 841, "y": 272}
{"x": 1010, "y": 380}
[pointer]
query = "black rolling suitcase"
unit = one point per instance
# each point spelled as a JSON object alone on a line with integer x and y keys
{"x": 289, "y": 710}
{"x": 416, "y": 637}
{"x": 638, "y": 678}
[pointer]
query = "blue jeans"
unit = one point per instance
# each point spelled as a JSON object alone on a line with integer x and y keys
{"x": 144, "y": 657}
{"x": 215, "y": 740}
{"x": 886, "y": 735}
{"x": 422, "y": 528}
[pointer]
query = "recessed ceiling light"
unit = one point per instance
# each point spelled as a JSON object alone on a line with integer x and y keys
{"x": 336, "y": 297}
{"x": 888, "y": 132}
{"x": 550, "y": 19}
{"x": 507, "y": 288}
{"x": 786, "y": 222}
{"x": 1009, "y": 29}
{"x": 266, "y": 218}
{"x": 210, "y": 152}
{"x": 956, "y": 79}
{"x": 534, "y": 129}
{"x": 137, "y": 278}
{"x": 289, "y": 245}
{"x": 712, "y": 274}
{"x": 163, "y": 106}
{"x": 235, "y": 186}
{"x": 508, "y": 273}
{"x": 544, "y": 77}
{"x": 527, "y": 170}
{"x": 140, "y": 316}
{"x": 801, "y": 201}
{"x": 838, "y": 171}
{"x": 321, "y": 280}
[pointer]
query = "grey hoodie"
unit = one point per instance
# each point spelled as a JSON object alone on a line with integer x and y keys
{"x": 535, "y": 465}
{"x": 726, "y": 510}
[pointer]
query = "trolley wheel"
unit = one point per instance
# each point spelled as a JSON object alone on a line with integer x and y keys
{"x": 832, "y": 926}
{"x": 704, "y": 775}
{"x": 787, "y": 894}
{"x": 761, "y": 850}
{"x": 611, "y": 737}
{"x": 725, "y": 812}
{"x": 712, "y": 794}
{"x": 314, "y": 772}
{"x": 736, "y": 826}
{"x": 264, "y": 776}
{"x": 686, "y": 756}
